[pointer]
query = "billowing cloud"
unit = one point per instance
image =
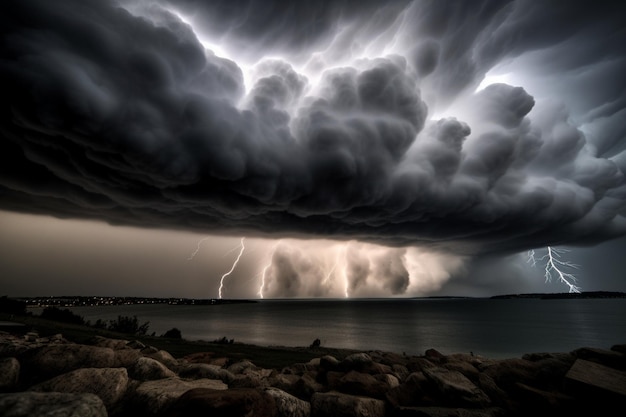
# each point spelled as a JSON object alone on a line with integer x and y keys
{"x": 355, "y": 121}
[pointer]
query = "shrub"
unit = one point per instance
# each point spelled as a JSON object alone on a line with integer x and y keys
{"x": 65, "y": 315}
{"x": 173, "y": 334}
{"x": 127, "y": 324}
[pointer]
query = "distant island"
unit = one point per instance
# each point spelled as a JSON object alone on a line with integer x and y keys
{"x": 566, "y": 295}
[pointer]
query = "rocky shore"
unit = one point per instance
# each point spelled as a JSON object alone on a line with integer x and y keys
{"x": 51, "y": 376}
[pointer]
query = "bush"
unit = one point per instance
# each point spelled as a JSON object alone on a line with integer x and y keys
{"x": 173, "y": 334}
{"x": 126, "y": 324}
{"x": 65, "y": 315}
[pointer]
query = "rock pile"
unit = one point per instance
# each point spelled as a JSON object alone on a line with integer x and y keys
{"x": 54, "y": 377}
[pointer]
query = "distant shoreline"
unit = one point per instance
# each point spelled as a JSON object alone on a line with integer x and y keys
{"x": 100, "y": 301}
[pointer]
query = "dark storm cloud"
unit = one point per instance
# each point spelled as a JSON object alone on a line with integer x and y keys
{"x": 127, "y": 118}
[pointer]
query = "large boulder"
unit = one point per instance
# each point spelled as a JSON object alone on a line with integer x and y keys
{"x": 107, "y": 383}
{"x": 53, "y": 360}
{"x": 287, "y": 405}
{"x": 358, "y": 383}
{"x": 236, "y": 402}
{"x": 203, "y": 370}
{"x": 9, "y": 373}
{"x": 53, "y": 404}
{"x": 456, "y": 389}
{"x": 162, "y": 356}
{"x": 336, "y": 404}
{"x": 147, "y": 369}
{"x": 152, "y": 397}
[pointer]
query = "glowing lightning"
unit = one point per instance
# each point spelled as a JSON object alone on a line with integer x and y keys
{"x": 197, "y": 248}
{"x": 554, "y": 265}
{"x": 231, "y": 269}
{"x": 263, "y": 275}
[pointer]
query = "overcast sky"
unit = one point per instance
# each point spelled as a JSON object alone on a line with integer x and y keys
{"x": 251, "y": 149}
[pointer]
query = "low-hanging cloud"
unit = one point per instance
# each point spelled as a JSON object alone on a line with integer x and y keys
{"x": 117, "y": 112}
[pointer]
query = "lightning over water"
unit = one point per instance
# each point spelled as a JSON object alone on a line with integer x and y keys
{"x": 556, "y": 268}
{"x": 232, "y": 268}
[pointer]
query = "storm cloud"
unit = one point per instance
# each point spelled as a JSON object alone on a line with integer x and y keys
{"x": 344, "y": 122}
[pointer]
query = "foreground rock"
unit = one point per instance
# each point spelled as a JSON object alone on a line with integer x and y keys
{"x": 30, "y": 404}
{"x": 118, "y": 378}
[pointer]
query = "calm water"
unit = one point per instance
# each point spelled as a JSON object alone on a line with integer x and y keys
{"x": 493, "y": 328}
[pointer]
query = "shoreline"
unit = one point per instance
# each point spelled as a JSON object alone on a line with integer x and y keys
{"x": 122, "y": 375}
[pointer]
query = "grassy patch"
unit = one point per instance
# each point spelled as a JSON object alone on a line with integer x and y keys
{"x": 264, "y": 356}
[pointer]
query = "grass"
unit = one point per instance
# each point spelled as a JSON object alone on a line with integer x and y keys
{"x": 275, "y": 357}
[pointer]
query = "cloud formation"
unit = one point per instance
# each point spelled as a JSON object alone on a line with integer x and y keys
{"x": 354, "y": 121}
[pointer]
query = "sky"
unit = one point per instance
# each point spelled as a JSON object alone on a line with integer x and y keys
{"x": 270, "y": 149}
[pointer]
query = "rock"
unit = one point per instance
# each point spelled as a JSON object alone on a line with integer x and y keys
{"x": 356, "y": 362}
{"x": 125, "y": 358}
{"x": 203, "y": 370}
{"x": 434, "y": 354}
{"x": 336, "y": 404}
{"x": 447, "y": 412}
{"x": 358, "y": 383}
{"x": 415, "y": 390}
{"x": 223, "y": 403}
{"x": 329, "y": 363}
{"x": 592, "y": 379}
{"x": 164, "y": 357}
{"x": 114, "y": 344}
{"x": 55, "y": 360}
{"x": 107, "y": 383}
{"x": 9, "y": 373}
{"x": 508, "y": 372}
{"x": 456, "y": 388}
{"x": 287, "y": 405}
{"x": 619, "y": 348}
{"x": 53, "y": 404}
{"x": 419, "y": 364}
{"x": 147, "y": 369}
{"x": 306, "y": 386}
{"x": 152, "y": 397}
{"x": 610, "y": 358}
{"x": 537, "y": 400}
{"x": 241, "y": 366}
{"x": 285, "y": 382}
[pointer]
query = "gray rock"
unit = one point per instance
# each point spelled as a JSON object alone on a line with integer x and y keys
{"x": 109, "y": 343}
{"x": 53, "y": 404}
{"x": 164, "y": 357}
{"x": 203, "y": 402}
{"x": 241, "y": 366}
{"x": 336, "y": 404}
{"x": 55, "y": 360}
{"x": 107, "y": 383}
{"x": 147, "y": 369}
{"x": 447, "y": 412}
{"x": 152, "y": 397}
{"x": 204, "y": 370}
{"x": 590, "y": 377}
{"x": 125, "y": 358}
{"x": 9, "y": 373}
{"x": 287, "y": 405}
{"x": 456, "y": 388}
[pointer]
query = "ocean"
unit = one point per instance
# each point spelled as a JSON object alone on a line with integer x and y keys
{"x": 496, "y": 328}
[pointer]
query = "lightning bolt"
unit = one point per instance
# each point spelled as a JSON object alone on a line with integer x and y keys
{"x": 556, "y": 267}
{"x": 263, "y": 275}
{"x": 197, "y": 248}
{"x": 232, "y": 268}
